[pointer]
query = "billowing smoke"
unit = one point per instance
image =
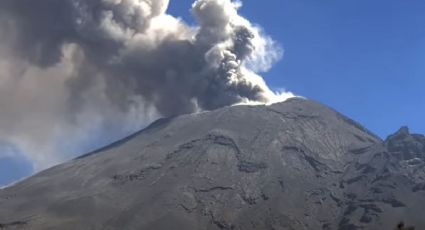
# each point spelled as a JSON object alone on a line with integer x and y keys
{"x": 76, "y": 73}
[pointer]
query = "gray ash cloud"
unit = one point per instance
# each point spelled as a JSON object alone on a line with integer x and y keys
{"x": 83, "y": 67}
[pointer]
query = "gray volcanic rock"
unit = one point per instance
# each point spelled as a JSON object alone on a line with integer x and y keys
{"x": 406, "y": 146}
{"x": 292, "y": 165}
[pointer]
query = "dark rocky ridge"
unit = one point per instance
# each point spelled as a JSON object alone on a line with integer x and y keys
{"x": 292, "y": 165}
{"x": 406, "y": 146}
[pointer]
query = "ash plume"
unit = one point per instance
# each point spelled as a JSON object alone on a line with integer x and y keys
{"x": 72, "y": 70}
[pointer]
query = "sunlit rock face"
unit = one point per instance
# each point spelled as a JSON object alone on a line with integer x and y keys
{"x": 291, "y": 165}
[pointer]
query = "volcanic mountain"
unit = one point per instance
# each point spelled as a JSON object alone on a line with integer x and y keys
{"x": 292, "y": 165}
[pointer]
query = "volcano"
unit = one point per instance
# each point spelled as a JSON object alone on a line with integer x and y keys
{"x": 291, "y": 165}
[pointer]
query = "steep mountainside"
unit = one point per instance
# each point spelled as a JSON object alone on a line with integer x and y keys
{"x": 292, "y": 165}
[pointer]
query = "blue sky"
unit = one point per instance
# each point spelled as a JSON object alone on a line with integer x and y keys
{"x": 13, "y": 166}
{"x": 363, "y": 58}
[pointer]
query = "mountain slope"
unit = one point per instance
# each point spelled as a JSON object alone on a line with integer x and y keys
{"x": 292, "y": 165}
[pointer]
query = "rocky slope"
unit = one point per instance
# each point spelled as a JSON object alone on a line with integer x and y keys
{"x": 292, "y": 165}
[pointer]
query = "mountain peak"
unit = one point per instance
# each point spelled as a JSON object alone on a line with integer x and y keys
{"x": 291, "y": 165}
{"x": 403, "y": 131}
{"x": 406, "y": 146}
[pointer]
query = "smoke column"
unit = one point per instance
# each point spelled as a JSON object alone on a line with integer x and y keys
{"x": 79, "y": 72}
